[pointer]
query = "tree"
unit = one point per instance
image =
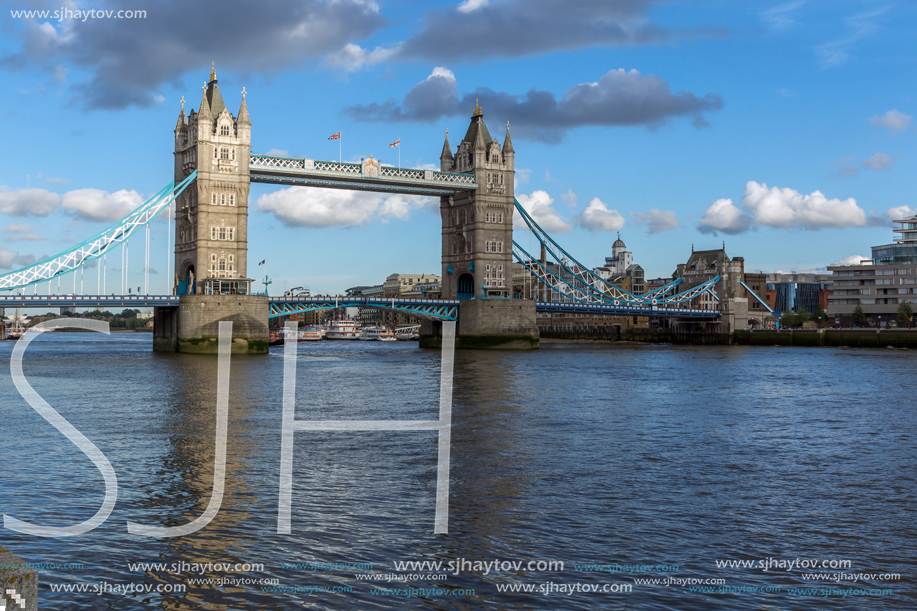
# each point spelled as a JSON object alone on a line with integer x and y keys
{"x": 819, "y": 315}
{"x": 859, "y": 316}
{"x": 905, "y": 312}
{"x": 789, "y": 320}
{"x": 803, "y": 316}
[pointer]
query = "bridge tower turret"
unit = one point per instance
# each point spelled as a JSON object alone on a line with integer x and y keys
{"x": 211, "y": 217}
{"x": 478, "y": 225}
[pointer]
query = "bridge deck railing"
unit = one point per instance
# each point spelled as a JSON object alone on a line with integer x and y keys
{"x": 355, "y": 170}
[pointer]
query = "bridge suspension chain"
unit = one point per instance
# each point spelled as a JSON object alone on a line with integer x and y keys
{"x": 591, "y": 282}
{"x": 98, "y": 245}
{"x": 588, "y": 287}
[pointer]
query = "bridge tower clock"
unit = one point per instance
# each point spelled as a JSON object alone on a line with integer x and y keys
{"x": 211, "y": 218}
{"x": 478, "y": 225}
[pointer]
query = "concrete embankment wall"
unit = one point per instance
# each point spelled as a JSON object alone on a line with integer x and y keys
{"x": 854, "y": 338}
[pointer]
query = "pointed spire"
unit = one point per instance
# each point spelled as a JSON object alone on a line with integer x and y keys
{"x": 182, "y": 121}
{"x": 243, "y": 110}
{"x": 479, "y": 138}
{"x": 205, "y": 107}
{"x": 508, "y": 143}
{"x": 213, "y": 73}
{"x": 477, "y": 109}
{"x": 447, "y": 150}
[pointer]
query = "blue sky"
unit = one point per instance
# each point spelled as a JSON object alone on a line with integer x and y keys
{"x": 782, "y": 128}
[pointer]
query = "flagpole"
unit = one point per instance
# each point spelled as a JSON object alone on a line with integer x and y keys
{"x": 399, "y": 152}
{"x": 340, "y": 149}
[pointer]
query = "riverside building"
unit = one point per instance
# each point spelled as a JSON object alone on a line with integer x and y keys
{"x": 878, "y": 285}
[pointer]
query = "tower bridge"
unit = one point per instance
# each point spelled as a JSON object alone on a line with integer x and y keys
{"x": 213, "y": 170}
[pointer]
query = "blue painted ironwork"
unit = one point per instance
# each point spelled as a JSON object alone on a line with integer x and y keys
{"x": 553, "y": 281}
{"x": 662, "y": 290}
{"x": 756, "y": 296}
{"x": 604, "y": 308}
{"x": 434, "y": 309}
{"x": 98, "y": 245}
{"x": 593, "y": 283}
{"x": 86, "y": 301}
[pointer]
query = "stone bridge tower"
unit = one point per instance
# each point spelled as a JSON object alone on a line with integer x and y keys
{"x": 478, "y": 225}
{"x": 211, "y": 217}
{"x": 478, "y": 246}
{"x": 211, "y": 235}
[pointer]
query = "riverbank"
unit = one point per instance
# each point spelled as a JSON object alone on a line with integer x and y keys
{"x": 853, "y": 338}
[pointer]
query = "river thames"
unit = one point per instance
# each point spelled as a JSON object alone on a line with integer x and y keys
{"x": 737, "y": 477}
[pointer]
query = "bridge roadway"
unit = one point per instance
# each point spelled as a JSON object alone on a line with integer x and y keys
{"x": 437, "y": 309}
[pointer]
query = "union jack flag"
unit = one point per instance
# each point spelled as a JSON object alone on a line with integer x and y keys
{"x": 336, "y": 136}
{"x": 394, "y": 144}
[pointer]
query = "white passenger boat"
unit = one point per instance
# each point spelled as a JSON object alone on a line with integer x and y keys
{"x": 387, "y": 336}
{"x": 343, "y": 329}
{"x": 310, "y": 335}
{"x": 368, "y": 334}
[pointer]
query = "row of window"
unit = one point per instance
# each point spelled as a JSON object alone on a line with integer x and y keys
{"x": 222, "y": 199}
{"x": 875, "y": 272}
{"x": 871, "y": 301}
{"x": 876, "y": 282}
{"x": 493, "y": 276}
{"x": 224, "y": 153}
{"x": 222, "y": 233}
{"x": 494, "y": 246}
{"x": 493, "y": 217}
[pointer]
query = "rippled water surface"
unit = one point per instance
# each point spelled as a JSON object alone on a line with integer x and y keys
{"x": 590, "y": 455}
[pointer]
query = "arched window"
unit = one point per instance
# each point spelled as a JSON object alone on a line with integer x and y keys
{"x": 224, "y": 130}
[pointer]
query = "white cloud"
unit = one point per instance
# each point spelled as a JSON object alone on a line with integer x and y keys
{"x": 7, "y": 258}
{"x": 22, "y": 233}
{"x": 900, "y": 212}
{"x": 540, "y": 206}
{"x": 27, "y": 202}
{"x": 851, "y": 260}
{"x": 892, "y": 120}
{"x": 879, "y": 162}
{"x": 657, "y": 220}
{"x": 788, "y": 209}
{"x": 597, "y": 217}
{"x": 26, "y": 237}
{"x": 352, "y": 58}
{"x": 570, "y": 198}
{"x": 278, "y": 153}
{"x": 98, "y": 205}
{"x": 522, "y": 176}
{"x": 783, "y": 16}
{"x": 471, "y": 5}
{"x": 308, "y": 207}
{"x": 723, "y": 215}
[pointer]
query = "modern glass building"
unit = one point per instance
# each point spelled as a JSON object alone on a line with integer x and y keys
{"x": 904, "y": 250}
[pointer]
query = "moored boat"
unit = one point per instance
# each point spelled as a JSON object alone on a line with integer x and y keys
{"x": 386, "y": 335}
{"x": 370, "y": 333}
{"x": 310, "y": 335}
{"x": 343, "y": 329}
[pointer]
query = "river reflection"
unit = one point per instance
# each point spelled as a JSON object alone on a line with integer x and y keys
{"x": 635, "y": 455}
